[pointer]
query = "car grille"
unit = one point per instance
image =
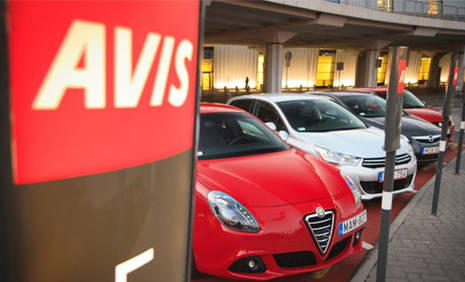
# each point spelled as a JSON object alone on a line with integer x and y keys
{"x": 428, "y": 138}
{"x": 380, "y": 162}
{"x": 449, "y": 123}
{"x": 297, "y": 259}
{"x": 375, "y": 187}
{"x": 321, "y": 229}
{"x": 427, "y": 158}
{"x": 338, "y": 248}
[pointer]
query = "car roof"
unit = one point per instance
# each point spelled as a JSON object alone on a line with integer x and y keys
{"x": 281, "y": 97}
{"x": 342, "y": 93}
{"x": 369, "y": 89}
{"x": 217, "y": 108}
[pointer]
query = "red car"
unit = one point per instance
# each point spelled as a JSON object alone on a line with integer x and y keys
{"x": 416, "y": 107}
{"x": 263, "y": 209}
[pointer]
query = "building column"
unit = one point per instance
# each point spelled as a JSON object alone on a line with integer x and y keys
{"x": 274, "y": 59}
{"x": 434, "y": 72}
{"x": 274, "y": 67}
{"x": 460, "y": 76}
{"x": 368, "y": 71}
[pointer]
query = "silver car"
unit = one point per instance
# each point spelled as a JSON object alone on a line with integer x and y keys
{"x": 327, "y": 130}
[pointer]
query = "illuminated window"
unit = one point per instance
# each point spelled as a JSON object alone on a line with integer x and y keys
{"x": 207, "y": 68}
{"x": 381, "y": 76}
{"x": 433, "y": 7}
{"x": 260, "y": 70}
{"x": 325, "y": 69}
{"x": 423, "y": 74}
{"x": 385, "y": 5}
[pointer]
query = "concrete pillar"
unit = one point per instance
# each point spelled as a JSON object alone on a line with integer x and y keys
{"x": 434, "y": 72}
{"x": 274, "y": 59}
{"x": 367, "y": 68}
{"x": 460, "y": 76}
{"x": 274, "y": 67}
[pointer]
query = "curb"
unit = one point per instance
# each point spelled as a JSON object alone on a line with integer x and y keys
{"x": 371, "y": 259}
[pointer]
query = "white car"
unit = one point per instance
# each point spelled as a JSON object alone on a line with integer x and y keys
{"x": 320, "y": 126}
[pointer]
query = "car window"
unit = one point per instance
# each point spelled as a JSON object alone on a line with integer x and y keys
{"x": 243, "y": 104}
{"x": 225, "y": 135}
{"x": 411, "y": 101}
{"x": 319, "y": 116}
{"x": 365, "y": 105}
{"x": 266, "y": 113}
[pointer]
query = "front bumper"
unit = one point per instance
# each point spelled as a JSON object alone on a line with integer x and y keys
{"x": 418, "y": 148}
{"x": 284, "y": 246}
{"x": 371, "y": 187}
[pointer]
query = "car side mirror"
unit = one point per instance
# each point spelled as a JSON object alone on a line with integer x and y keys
{"x": 271, "y": 125}
{"x": 283, "y": 134}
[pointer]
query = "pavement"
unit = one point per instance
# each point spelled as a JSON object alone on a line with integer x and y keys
{"x": 424, "y": 247}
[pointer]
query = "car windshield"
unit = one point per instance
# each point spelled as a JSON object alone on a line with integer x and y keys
{"x": 411, "y": 101}
{"x": 319, "y": 116}
{"x": 225, "y": 135}
{"x": 365, "y": 105}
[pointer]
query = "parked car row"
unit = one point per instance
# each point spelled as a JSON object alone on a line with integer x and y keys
{"x": 281, "y": 178}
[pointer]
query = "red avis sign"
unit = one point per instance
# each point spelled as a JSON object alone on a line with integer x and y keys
{"x": 402, "y": 69}
{"x": 456, "y": 74}
{"x": 94, "y": 89}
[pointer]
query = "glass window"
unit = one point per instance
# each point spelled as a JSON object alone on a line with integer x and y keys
{"x": 366, "y": 105}
{"x": 226, "y": 135}
{"x": 267, "y": 113}
{"x": 319, "y": 116}
{"x": 411, "y": 101}
{"x": 243, "y": 104}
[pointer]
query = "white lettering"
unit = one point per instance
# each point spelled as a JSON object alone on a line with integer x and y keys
{"x": 178, "y": 96}
{"x": 83, "y": 40}
{"x": 123, "y": 269}
{"x": 128, "y": 85}
{"x": 163, "y": 71}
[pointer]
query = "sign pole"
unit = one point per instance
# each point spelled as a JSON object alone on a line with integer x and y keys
{"x": 5, "y": 160}
{"x": 451, "y": 82}
{"x": 398, "y": 65}
{"x": 462, "y": 121}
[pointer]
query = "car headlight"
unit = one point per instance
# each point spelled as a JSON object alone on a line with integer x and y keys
{"x": 405, "y": 139}
{"x": 354, "y": 188}
{"x": 410, "y": 150}
{"x": 336, "y": 157}
{"x": 231, "y": 213}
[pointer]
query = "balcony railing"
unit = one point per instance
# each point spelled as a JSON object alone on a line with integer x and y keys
{"x": 446, "y": 9}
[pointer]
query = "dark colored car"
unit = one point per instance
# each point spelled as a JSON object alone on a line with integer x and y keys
{"x": 416, "y": 107}
{"x": 422, "y": 135}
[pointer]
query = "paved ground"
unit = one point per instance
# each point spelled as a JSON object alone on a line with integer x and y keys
{"x": 425, "y": 247}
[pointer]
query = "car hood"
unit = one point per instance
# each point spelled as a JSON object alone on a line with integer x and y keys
{"x": 427, "y": 114}
{"x": 364, "y": 143}
{"x": 274, "y": 179}
{"x": 411, "y": 126}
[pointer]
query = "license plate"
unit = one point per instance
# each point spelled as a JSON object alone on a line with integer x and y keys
{"x": 398, "y": 174}
{"x": 430, "y": 150}
{"x": 352, "y": 223}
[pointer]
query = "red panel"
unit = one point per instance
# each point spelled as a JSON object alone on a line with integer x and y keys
{"x": 402, "y": 70}
{"x": 456, "y": 73}
{"x": 72, "y": 139}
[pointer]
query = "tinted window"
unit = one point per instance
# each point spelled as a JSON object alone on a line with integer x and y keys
{"x": 411, "y": 101}
{"x": 224, "y": 135}
{"x": 319, "y": 116}
{"x": 267, "y": 113}
{"x": 366, "y": 105}
{"x": 243, "y": 104}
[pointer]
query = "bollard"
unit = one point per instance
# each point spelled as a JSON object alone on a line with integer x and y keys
{"x": 452, "y": 81}
{"x": 398, "y": 66}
